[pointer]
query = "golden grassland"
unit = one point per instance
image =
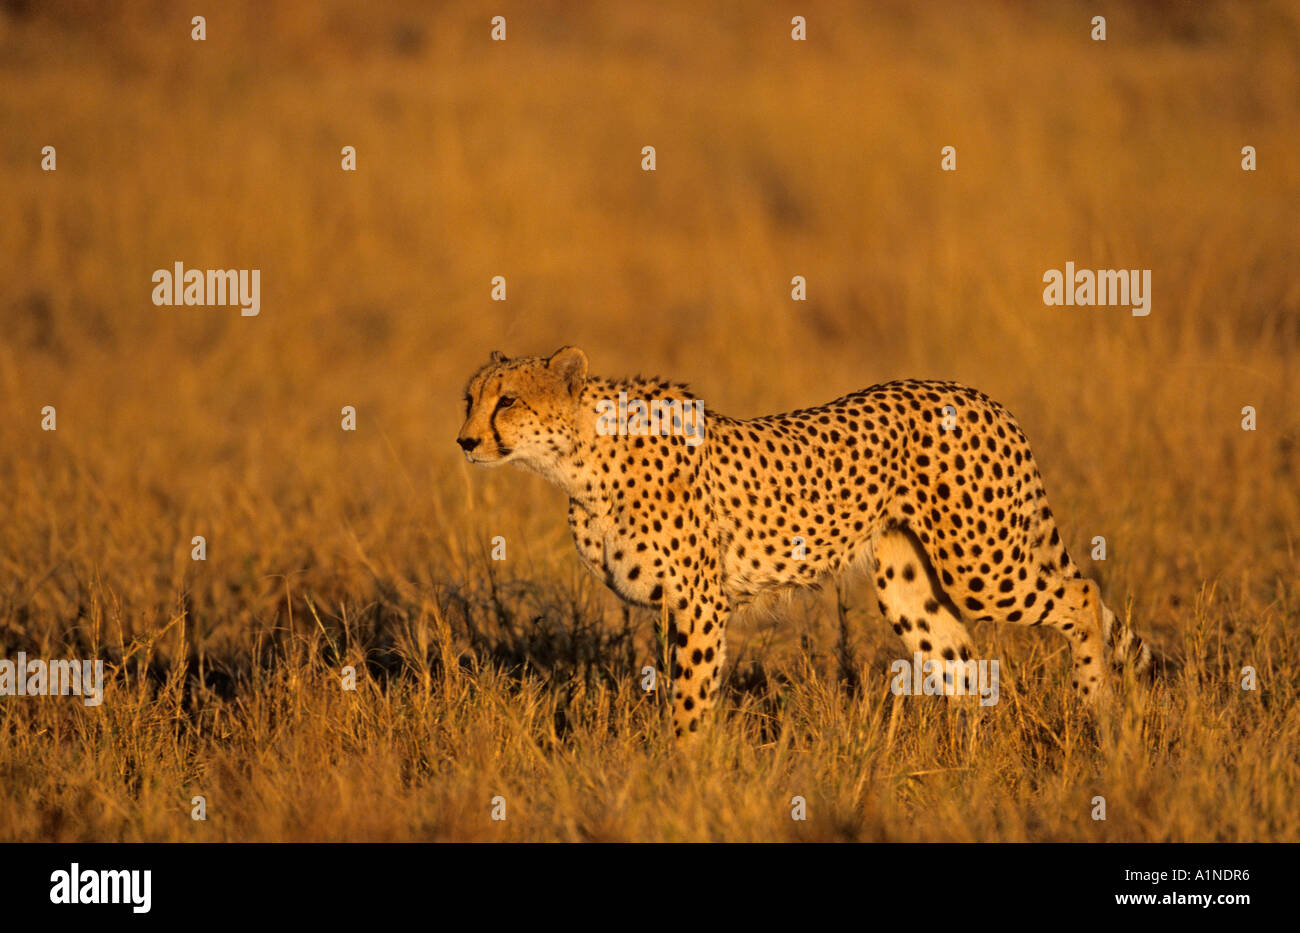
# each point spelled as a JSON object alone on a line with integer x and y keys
{"x": 521, "y": 678}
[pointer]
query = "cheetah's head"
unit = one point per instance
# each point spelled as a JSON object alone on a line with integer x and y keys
{"x": 523, "y": 410}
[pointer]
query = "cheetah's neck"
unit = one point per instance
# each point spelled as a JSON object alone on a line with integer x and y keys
{"x": 572, "y": 471}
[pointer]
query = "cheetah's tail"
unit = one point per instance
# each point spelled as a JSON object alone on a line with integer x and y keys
{"x": 1130, "y": 652}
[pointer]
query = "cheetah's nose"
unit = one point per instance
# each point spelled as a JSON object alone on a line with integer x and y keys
{"x": 467, "y": 443}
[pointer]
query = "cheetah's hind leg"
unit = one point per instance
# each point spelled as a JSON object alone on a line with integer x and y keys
{"x": 912, "y": 601}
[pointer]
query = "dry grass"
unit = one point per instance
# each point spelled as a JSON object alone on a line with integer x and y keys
{"x": 775, "y": 158}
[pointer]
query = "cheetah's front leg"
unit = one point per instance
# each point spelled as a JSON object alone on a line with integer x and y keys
{"x": 696, "y": 632}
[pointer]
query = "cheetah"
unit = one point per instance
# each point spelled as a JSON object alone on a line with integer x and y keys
{"x": 930, "y": 485}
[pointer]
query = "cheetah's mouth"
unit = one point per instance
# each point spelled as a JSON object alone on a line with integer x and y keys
{"x": 500, "y": 458}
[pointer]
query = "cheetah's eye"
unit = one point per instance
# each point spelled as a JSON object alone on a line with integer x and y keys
{"x": 505, "y": 401}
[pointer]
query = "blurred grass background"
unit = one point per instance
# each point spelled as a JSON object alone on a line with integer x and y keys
{"x": 476, "y": 158}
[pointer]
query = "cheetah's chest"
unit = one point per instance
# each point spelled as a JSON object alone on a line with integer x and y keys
{"x": 609, "y": 551}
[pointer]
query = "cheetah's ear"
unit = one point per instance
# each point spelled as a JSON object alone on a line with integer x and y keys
{"x": 496, "y": 357}
{"x": 570, "y": 364}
